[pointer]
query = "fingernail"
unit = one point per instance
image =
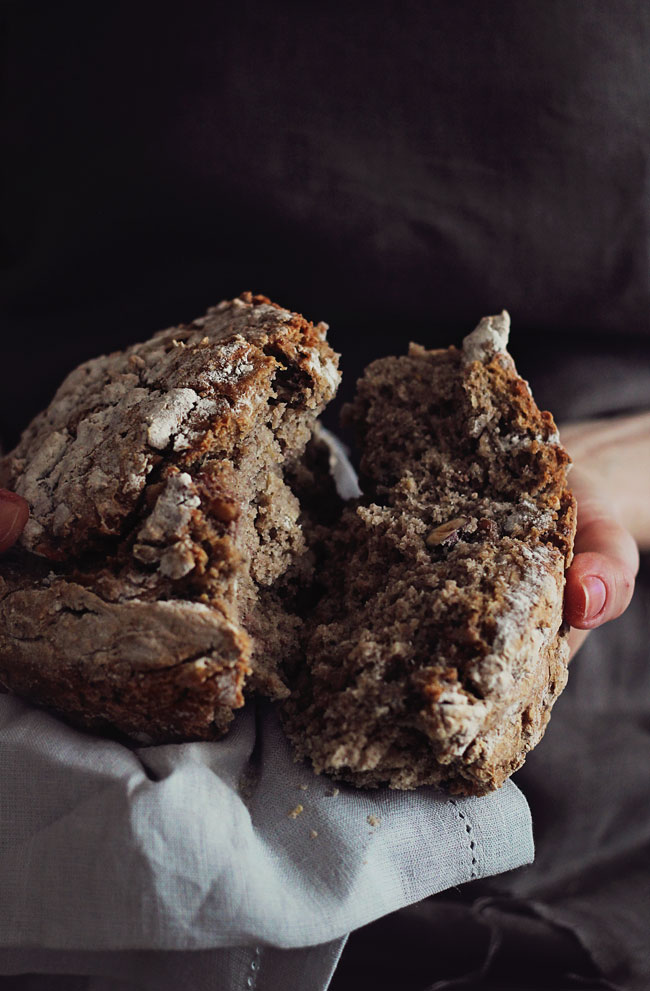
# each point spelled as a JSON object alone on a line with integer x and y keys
{"x": 595, "y": 593}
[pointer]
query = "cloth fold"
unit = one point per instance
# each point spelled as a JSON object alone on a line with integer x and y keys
{"x": 207, "y": 845}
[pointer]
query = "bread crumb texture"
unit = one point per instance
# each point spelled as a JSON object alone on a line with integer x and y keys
{"x": 438, "y": 646}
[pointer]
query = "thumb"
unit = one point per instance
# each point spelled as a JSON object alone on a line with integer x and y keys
{"x": 600, "y": 581}
{"x": 14, "y": 513}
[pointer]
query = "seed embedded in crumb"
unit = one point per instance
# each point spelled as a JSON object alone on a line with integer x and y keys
{"x": 303, "y": 787}
{"x": 446, "y": 533}
{"x": 373, "y": 820}
{"x": 313, "y": 834}
{"x": 333, "y": 793}
{"x": 225, "y": 510}
{"x": 489, "y": 528}
{"x": 294, "y": 813}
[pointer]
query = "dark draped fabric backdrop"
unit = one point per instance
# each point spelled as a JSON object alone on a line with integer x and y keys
{"x": 396, "y": 169}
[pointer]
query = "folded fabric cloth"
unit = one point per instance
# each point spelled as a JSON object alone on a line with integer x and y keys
{"x": 106, "y": 850}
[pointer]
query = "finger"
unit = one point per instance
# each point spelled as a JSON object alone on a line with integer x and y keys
{"x": 576, "y": 639}
{"x": 599, "y": 585}
{"x": 14, "y": 513}
{"x": 600, "y": 582}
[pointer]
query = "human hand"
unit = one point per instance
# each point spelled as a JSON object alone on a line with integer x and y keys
{"x": 611, "y": 482}
{"x": 14, "y": 513}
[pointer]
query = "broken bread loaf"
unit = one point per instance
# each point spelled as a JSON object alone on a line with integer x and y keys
{"x": 186, "y": 546}
{"x": 154, "y": 578}
{"x": 438, "y": 646}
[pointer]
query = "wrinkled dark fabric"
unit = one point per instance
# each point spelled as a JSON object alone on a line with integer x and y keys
{"x": 398, "y": 169}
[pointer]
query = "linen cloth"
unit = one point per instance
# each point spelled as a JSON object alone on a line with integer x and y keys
{"x": 111, "y": 857}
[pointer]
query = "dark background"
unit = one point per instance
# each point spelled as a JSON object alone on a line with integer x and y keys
{"x": 396, "y": 169}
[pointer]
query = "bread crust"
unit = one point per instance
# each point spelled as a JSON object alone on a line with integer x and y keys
{"x": 155, "y": 671}
{"x": 84, "y": 462}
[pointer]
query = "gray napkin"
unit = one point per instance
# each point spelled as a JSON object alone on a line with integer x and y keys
{"x": 207, "y": 846}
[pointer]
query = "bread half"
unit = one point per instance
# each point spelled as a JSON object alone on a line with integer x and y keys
{"x": 155, "y": 576}
{"x": 438, "y": 645}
